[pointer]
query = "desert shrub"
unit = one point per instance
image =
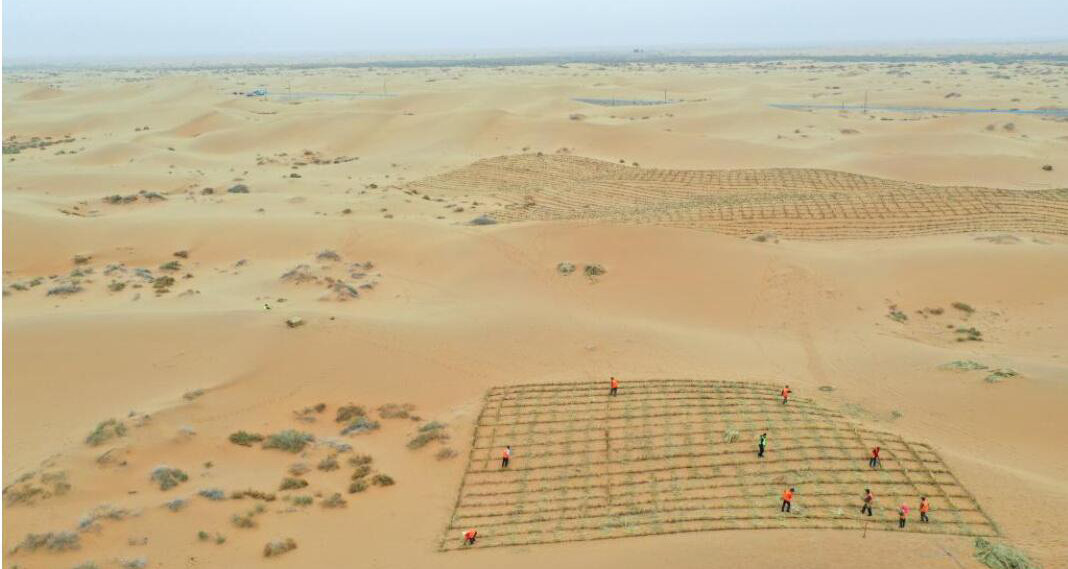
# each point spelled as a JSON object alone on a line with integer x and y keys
{"x": 61, "y": 541}
{"x": 969, "y": 335}
{"x": 289, "y": 440}
{"x": 299, "y": 469}
{"x": 897, "y": 315}
{"x": 86, "y": 565}
{"x": 213, "y": 494}
{"x": 244, "y": 521}
{"x": 162, "y": 283}
{"x": 254, "y": 494}
{"x": 432, "y": 431}
{"x": 963, "y": 307}
{"x": 1000, "y": 375}
{"x": 360, "y": 425}
{"x": 346, "y": 413}
{"x": 238, "y": 189}
{"x": 101, "y": 512}
{"x": 565, "y": 268}
{"x": 245, "y": 439}
{"x": 593, "y": 270}
{"x": 445, "y": 453}
{"x": 1001, "y": 556}
{"x": 357, "y": 486}
{"x": 294, "y": 322}
{"x": 964, "y": 365}
{"x": 289, "y": 483}
{"x": 135, "y": 563}
{"x": 176, "y": 504}
{"x": 116, "y": 286}
{"x": 731, "y": 435}
{"x": 334, "y": 444}
{"x": 328, "y": 255}
{"x": 826, "y": 388}
{"x": 168, "y": 477}
{"x": 105, "y": 431}
{"x": 191, "y": 395}
{"x": 65, "y": 290}
{"x": 361, "y": 472}
{"x": 302, "y": 500}
{"x": 396, "y": 410}
{"x": 171, "y": 266}
{"x": 82, "y": 259}
{"x": 334, "y": 501}
{"x": 382, "y": 480}
{"x": 483, "y": 220}
{"x": 328, "y": 464}
{"x": 360, "y": 460}
{"x": 279, "y": 546}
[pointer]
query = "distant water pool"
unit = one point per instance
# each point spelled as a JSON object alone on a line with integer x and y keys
{"x": 1055, "y": 112}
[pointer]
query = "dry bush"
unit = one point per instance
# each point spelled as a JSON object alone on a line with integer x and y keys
{"x": 289, "y": 483}
{"x": 346, "y": 413}
{"x": 1000, "y": 556}
{"x": 245, "y": 439}
{"x": 360, "y": 425}
{"x": 360, "y": 460}
{"x": 357, "y": 486}
{"x": 334, "y": 501}
{"x": 213, "y": 494}
{"x": 168, "y": 477}
{"x": 361, "y": 472}
{"x": 279, "y": 546}
{"x": 52, "y": 541}
{"x": 329, "y": 463}
{"x": 382, "y": 480}
{"x": 396, "y": 410}
{"x": 445, "y": 453}
{"x": 432, "y": 431}
{"x": 289, "y": 440}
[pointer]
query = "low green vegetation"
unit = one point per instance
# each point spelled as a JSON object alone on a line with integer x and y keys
{"x": 289, "y": 440}
{"x": 105, "y": 431}
{"x": 245, "y": 438}
{"x": 168, "y": 477}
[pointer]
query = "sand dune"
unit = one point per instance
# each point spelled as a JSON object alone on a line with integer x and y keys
{"x": 893, "y": 277}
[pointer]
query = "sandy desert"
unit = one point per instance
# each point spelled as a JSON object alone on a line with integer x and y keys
{"x": 297, "y": 329}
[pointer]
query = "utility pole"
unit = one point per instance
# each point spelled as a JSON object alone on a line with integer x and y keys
{"x": 865, "y": 101}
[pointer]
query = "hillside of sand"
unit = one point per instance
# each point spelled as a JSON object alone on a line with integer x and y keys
{"x": 160, "y": 231}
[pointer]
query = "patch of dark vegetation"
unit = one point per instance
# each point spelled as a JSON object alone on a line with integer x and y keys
{"x": 51, "y": 541}
{"x": 307, "y": 414}
{"x": 432, "y": 431}
{"x": 360, "y": 425}
{"x": 168, "y": 477}
{"x": 218, "y": 538}
{"x": 396, "y": 410}
{"x": 357, "y": 486}
{"x": 329, "y": 463}
{"x": 360, "y": 460}
{"x": 334, "y": 501}
{"x": 245, "y": 438}
{"x": 254, "y": 494}
{"x": 279, "y": 546}
{"x": 896, "y": 315}
{"x": 963, "y": 307}
{"x": 65, "y": 290}
{"x": 445, "y": 453}
{"x": 346, "y": 413}
{"x": 289, "y": 483}
{"x": 171, "y": 266}
{"x": 213, "y": 494}
{"x": 289, "y": 440}
{"x": 238, "y": 189}
{"x": 565, "y": 268}
{"x": 999, "y": 375}
{"x": 328, "y": 255}
{"x": 593, "y": 271}
{"x": 483, "y": 220}
{"x": 1000, "y": 556}
{"x": 382, "y": 480}
{"x": 969, "y": 335}
{"x": 105, "y": 431}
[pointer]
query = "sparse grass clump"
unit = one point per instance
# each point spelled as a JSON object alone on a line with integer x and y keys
{"x": 360, "y": 460}
{"x": 361, "y": 425}
{"x": 897, "y": 315}
{"x": 963, "y": 307}
{"x": 52, "y": 541}
{"x": 213, "y": 494}
{"x": 279, "y": 546}
{"x": 731, "y": 436}
{"x": 361, "y": 472}
{"x": 445, "y": 453}
{"x": 302, "y": 500}
{"x": 999, "y": 375}
{"x": 346, "y": 413}
{"x": 135, "y": 563}
{"x": 969, "y": 335}
{"x": 357, "y": 486}
{"x": 289, "y": 483}
{"x": 245, "y": 439}
{"x": 964, "y": 365}
{"x": 289, "y": 440}
{"x": 168, "y": 477}
{"x": 176, "y": 504}
{"x": 334, "y": 501}
{"x": 593, "y": 270}
{"x": 396, "y": 410}
{"x": 163, "y": 284}
{"x": 171, "y": 266}
{"x": 1000, "y": 556}
{"x": 565, "y": 268}
{"x": 328, "y": 464}
{"x": 219, "y": 538}
{"x": 432, "y": 431}
{"x": 382, "y": 480}
{"x": 254, "y": 494}
{"x": 244, "y": 521}
{"x": 105, "y": 431}
{"x": 65, "y": 290}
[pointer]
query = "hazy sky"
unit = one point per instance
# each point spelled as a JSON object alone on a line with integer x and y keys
{"x": 81, "y": 29}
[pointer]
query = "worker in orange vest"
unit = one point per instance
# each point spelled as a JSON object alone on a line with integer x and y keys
{"x": 874, "y": 460}
{"x": 469, "y": 536}
{"x": 506, "y": 455}
{"x": 615, "y": 386}
{"x": 925, "y": 507}
{"x": 787, "y": 497}
{"x": 785, "y": 394}
{"x": 902, "y": 513}
{"x": 868, "y": 499}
